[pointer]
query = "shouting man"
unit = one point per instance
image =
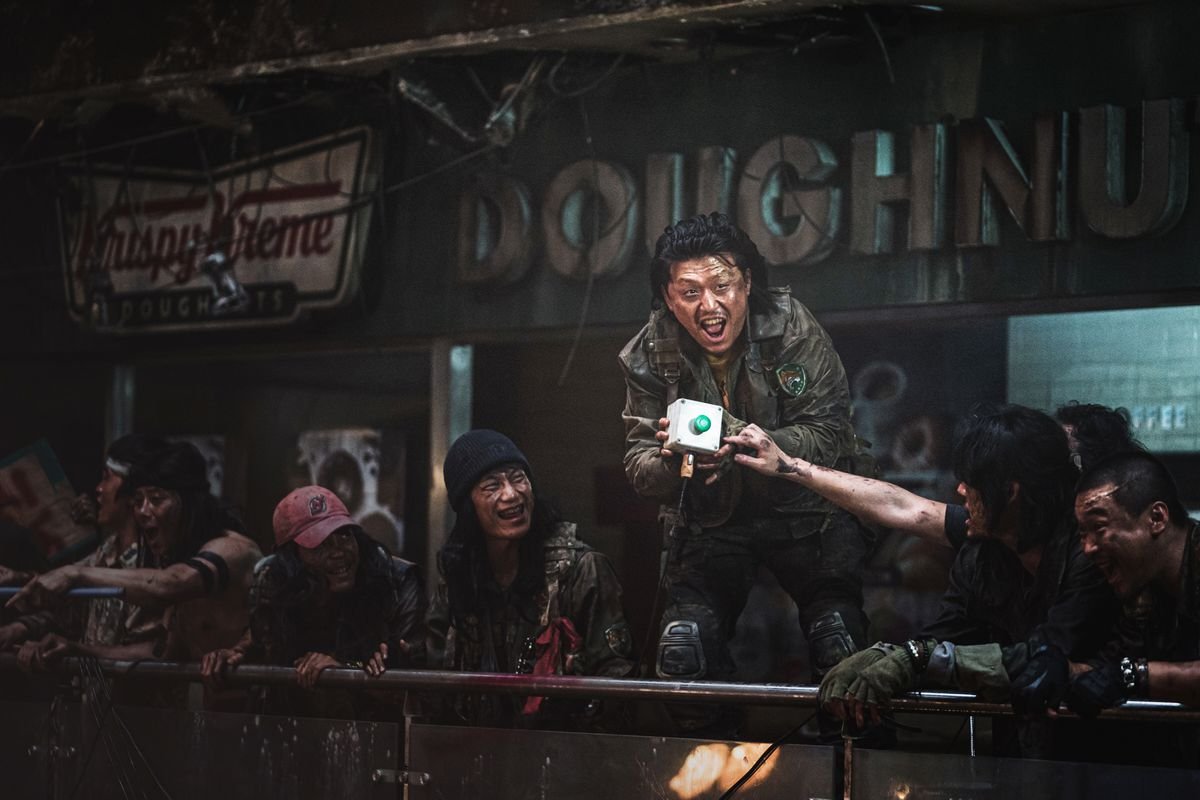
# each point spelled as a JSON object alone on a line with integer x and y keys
{"x": 718, "y": 335}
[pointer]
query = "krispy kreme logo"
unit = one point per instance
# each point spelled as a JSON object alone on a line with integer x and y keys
{"x": 289, "y": 226}
{"x": 166, "y": 239}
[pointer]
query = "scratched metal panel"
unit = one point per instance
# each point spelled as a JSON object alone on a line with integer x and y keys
{"x": 500, "y": 764}
{"x": 24, "y": 728}
{"x": 887, "y": 774}
{"x": 228, "y": 756}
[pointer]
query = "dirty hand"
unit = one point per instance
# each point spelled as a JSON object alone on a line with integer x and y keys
{"x": 713, "y": 464}
{"x": 37, "y": 656}
{"x": 377, "y": 664}
{"x": 768, "y": 458}
{"x": 44, "y": 591}
{"x": 12, "y": 635}
{"x": 215, "y": 665}
{"x": 310, "y": 665}
{"x": 12, "y": 577}
{"x": 661, "y": 436}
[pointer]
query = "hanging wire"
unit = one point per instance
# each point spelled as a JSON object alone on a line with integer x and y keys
{"x": 138, "y": 140}
{"x": 887, "y": 58}
{"x": 552, "y": 78}
{"x": 594, "y": 248}
{"x": 762, "y": 759}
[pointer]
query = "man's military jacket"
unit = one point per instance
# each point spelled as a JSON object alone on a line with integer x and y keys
{"x": 787, "y": 379}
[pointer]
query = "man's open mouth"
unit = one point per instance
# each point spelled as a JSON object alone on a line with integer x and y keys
{"x": 714, "y": 327}
{"x": 512, "y": 514}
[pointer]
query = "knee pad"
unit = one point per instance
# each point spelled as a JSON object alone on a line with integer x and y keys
{"x": 680, "y": 652}
{"x": 829, "y": 642}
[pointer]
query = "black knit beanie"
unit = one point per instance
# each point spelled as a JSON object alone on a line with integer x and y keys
{"x": 472, "y": 456}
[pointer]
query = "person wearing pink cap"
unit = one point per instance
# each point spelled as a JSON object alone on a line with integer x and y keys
{"x": 329, "y": 596}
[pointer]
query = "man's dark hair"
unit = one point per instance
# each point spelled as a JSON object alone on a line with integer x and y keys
{"x": 1140, "y": 480}
{"x": 136, "y": 448}
{"x": 706, "y": 235}
{"x": 464, "y": 565}
{"x": 1099, "y": 431}
{"x": 181, "y": 468}
{"x": 361, "y": 615}
{"x": 996, "y": 445}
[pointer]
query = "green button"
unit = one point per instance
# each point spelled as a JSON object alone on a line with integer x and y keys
{"x": 701, "y": 423}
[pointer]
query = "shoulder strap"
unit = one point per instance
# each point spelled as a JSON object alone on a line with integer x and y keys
{"x": 662, "y": 353}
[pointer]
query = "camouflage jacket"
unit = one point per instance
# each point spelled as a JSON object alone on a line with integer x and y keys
{"x": 581, "y": 586}
{"x": 788, "y": 380}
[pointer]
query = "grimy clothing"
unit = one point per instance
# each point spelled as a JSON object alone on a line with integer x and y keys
{"x": 106, "y": 620}
{"x": 992, "y": 598}
{"x": 512, "y": 633}
{"x": 285, "y": 624}
{"x": 785, "y": 377}
{"x": 287, "y": 621}
{"x": 807, "y": 413}
{"x": 1158, "y": 627}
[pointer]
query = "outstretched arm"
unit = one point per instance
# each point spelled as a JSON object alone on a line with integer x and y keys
{"x": 875, "y": 502}
{"x": 177, "y": 583}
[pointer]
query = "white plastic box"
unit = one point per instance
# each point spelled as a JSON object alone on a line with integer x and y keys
{"x": 694, "y": 427}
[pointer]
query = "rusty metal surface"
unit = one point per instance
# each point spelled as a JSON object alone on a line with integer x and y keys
{"x": 502, "y": 764}
{"x": 205, "y": 755}
{"x": 916, "y": 776}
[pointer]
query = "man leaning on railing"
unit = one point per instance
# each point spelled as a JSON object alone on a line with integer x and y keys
{"x": 1022, "y": 599}
{"x": 329, "y": 596}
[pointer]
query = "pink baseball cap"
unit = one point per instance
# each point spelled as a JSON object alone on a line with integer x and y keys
{"x": 308, "y": 515}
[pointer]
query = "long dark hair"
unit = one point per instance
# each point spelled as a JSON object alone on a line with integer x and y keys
{"x": 181, "y": 468}
{"x": 362, "y": 612}
{"x": 1000, "y": 444}
{"x": 464, "y": 565}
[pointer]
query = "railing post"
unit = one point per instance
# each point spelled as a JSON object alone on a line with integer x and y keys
{"x": 847, "y": 767}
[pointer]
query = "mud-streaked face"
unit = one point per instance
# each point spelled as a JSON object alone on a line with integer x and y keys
{"x": 503, "y": 500}
{"x": 335, "y": 559}
{"x": 158, "y": 513}
{"x": 710, "y": 297}
{"x": 1117, "y": 542}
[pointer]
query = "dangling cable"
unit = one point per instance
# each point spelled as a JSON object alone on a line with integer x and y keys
{"x": 732, "y": 790}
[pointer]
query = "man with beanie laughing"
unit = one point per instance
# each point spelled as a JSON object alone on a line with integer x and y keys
{"x": 519, "y": 593}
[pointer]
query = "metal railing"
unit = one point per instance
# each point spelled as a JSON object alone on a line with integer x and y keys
{"x": 435, "y": 761}
{"x": 764, "y": 694}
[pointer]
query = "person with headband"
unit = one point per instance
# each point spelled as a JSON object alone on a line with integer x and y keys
{"x": 204, "y": 561}
{"x": 102, "y": 623}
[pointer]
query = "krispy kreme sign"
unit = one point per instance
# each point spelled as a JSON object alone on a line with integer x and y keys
{"x": 289, "y": 227}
